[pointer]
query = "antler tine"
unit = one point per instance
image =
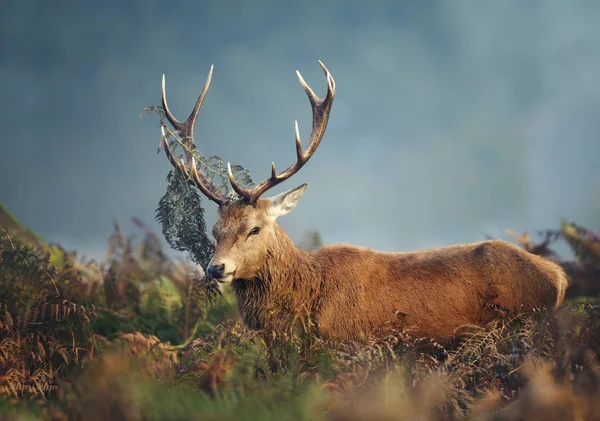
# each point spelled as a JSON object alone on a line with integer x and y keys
{"x": 321, "y": 108}
{"x": 178, "y": 125}
{"x": 186, "y": 132}
{"x": 194, "y": 114}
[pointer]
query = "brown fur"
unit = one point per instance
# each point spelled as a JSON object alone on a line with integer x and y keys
{"x": 352, "y": 291}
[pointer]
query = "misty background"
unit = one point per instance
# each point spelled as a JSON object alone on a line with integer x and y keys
{"x": 452, "y": 119}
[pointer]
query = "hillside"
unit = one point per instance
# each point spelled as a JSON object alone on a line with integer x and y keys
{"x": 16, "y": 229}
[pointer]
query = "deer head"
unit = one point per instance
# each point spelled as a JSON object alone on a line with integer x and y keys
{"x": 246, "y": 230}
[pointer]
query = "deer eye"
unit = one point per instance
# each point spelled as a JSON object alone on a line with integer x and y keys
{"x": 254, "y": 231}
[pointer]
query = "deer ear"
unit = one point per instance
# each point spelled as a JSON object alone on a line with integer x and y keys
{"x": 284, "y": 202}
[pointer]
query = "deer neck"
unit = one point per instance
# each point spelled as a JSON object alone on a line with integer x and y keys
{"x": 290, "y": 279}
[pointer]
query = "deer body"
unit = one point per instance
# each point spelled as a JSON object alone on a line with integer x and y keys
{"x": 352, "y": 291}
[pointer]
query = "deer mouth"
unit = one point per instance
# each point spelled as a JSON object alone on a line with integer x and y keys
{"x": 227, "y": 277}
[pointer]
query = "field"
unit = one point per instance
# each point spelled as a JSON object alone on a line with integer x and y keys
{"x": 141, "y": 336}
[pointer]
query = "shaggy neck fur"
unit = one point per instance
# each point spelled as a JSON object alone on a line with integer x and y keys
{"x": 288, "y": 280}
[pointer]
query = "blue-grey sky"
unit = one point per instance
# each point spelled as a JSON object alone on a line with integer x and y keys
{"x": 452, "y": 118}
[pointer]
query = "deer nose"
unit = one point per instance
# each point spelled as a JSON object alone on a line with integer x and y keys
{"x": 216, "y": 271}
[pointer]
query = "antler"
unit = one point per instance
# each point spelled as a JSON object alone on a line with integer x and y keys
{"x": 186, "y": 132}
{"x": 321, "y": 108}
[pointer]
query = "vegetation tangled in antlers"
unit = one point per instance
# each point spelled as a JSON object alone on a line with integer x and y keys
{"x": 180, "y": 212}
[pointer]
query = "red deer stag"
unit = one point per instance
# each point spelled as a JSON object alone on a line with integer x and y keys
{"x": 351, "y": 291}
